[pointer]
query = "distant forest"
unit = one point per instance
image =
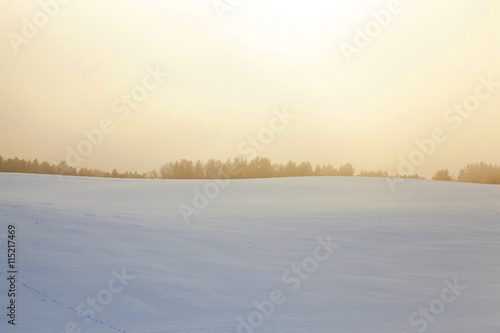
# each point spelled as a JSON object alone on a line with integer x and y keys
{"x": 240, "y": 168}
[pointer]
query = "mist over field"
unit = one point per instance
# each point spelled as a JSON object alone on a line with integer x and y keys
{"x": 249, "y": 166}
{"x": 384, "y": 85}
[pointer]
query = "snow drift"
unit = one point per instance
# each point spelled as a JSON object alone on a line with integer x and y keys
{"x": 273, "y": 255}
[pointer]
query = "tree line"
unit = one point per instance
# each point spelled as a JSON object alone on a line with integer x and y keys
{"x": 481, "y": 172}
{"x": 240, "y": 168}
{"x": 23, "y": 166}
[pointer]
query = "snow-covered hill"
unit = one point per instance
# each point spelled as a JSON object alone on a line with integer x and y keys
{"x": 273, "y": 255}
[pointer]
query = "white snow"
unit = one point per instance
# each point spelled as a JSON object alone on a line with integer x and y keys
{"x": 395, "y": 252}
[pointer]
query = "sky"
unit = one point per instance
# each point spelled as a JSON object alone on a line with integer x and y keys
{"x": 375, "y": 83}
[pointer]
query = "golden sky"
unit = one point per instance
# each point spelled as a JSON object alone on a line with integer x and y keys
{"x": 226, "y": 76}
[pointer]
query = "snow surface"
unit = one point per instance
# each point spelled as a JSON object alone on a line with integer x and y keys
{"x": 395, "y": 251}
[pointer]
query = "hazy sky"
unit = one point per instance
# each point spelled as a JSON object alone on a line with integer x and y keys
{"x": 226, "y": 76}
